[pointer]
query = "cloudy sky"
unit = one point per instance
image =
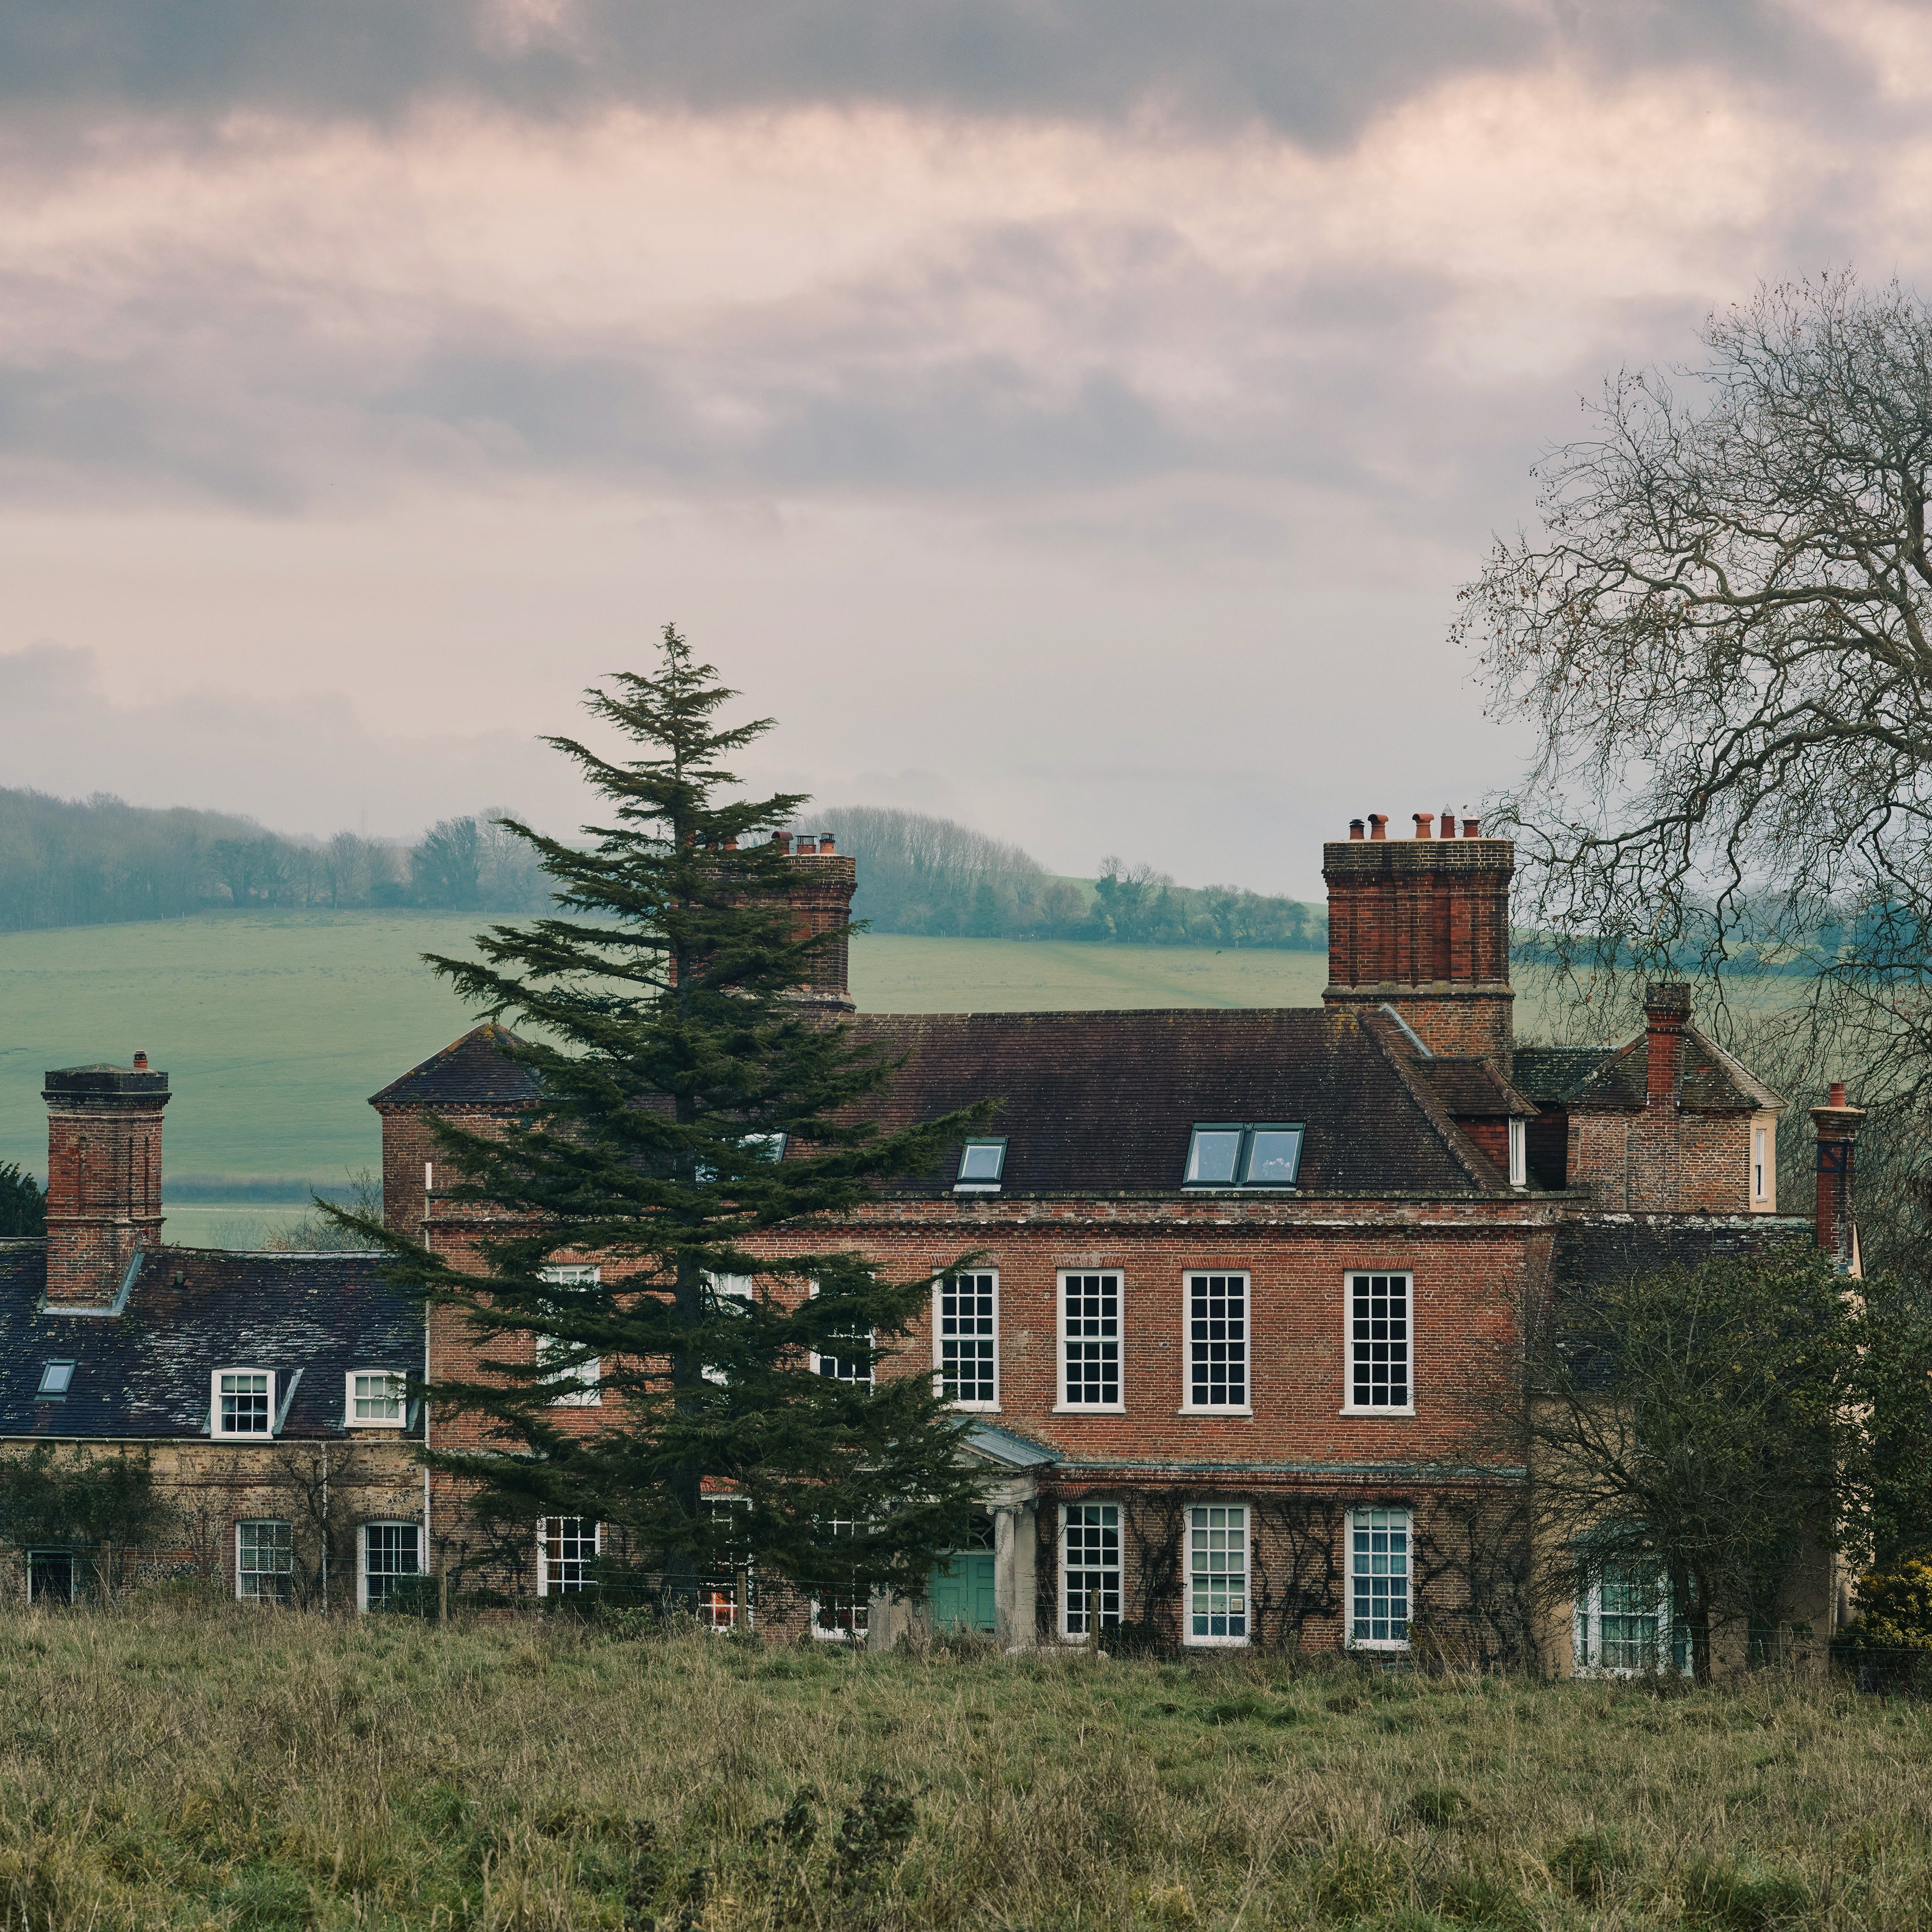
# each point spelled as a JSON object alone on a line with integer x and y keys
{"x": 1075, "y": 416}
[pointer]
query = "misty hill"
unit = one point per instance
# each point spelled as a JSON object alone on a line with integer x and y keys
{"x": 923, "y": 875}
{"x": 67, "y": 861}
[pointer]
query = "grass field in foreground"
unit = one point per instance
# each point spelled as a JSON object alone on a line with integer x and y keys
{"x": 277, "y": 1026}
{"x": 161, "y": 1768}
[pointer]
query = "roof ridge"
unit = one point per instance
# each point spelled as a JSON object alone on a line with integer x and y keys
{"x": 1741, "y": 1075}
{"x": 1455, "y": 1143}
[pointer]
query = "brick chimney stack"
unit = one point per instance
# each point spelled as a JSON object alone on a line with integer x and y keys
{"x": 1837, "y": 1127}
{"x": 1423, "y": 924}
{"x": 104, "y": 1177}
{"x": 1666, "y": 1012}
{"x": 822, "y": 900}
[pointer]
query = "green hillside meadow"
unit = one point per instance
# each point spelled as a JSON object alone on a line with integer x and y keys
{"x": 277, "y": 1026}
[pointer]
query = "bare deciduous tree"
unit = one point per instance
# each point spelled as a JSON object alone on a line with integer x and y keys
{"x": 1724, "y": 633}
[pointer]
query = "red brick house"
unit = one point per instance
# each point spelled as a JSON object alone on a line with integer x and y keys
{"x": 1252, "y": 1280}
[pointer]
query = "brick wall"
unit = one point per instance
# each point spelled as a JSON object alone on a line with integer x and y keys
{"x": 1663, "y": 1160}
{"x": 1472, "y": 1267}
{"x": 410, "y": 1148}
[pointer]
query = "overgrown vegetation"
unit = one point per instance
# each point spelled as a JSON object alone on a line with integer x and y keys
{"x": 167, "y": 1767}
{"x": 71, "y": 861}
{"x": 23, "y": 1201}
{"x": 1703, "y": 1427}
{"x": 101, "y": 1503}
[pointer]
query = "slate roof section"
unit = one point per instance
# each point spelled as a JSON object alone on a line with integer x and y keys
{"x": 1549, "y": 1075}
{"x": 1105, "y": 1101}
{"x": 471, "y": 1071}
{"x": 1599, "y": 1249}
{"x": 144, "y": 1372}
{"x": 1713, "y": 1081}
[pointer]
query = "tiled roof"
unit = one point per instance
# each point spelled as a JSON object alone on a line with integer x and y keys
{"x": 472, "y": 1071}
{"x": 1099, "y": 1102}
{"x": 1714, "y": 1082}
{"x": 1105, "y": 1101}
{"x": 1549, "y": 1075}
{"x": 1470, "y": 1089}
{"x": 145, "y": 1371}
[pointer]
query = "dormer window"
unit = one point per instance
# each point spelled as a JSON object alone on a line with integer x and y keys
{"x": 56, "y": 1378}
{"x": 981, "y": 1163}
{"x": 374, "y": 1400}
{"x": 243, "y": 1402}
{"x": 1244, "y": 1154}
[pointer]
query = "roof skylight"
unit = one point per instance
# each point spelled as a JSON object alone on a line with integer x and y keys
{"x": 56, "y": 1378}
{"x": 1230, "y": 1153}
{"x": 981, "y": 1163}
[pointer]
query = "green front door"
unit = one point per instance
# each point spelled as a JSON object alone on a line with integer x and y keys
{"x": 961, "y": 1595}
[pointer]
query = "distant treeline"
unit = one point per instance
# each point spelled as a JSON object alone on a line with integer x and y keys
{"x": 922, "y": 874}
{"x": 67, "y": 861}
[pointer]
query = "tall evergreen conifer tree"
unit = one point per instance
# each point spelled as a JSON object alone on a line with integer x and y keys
{"x": 689, "y": 1105}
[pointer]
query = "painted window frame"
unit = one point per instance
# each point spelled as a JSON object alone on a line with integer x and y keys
{"x": 1188, "y": 1406}
{"x": 1349, "y": 1405}
{"x": 869, "y": 1380}
{"x": 1669, "y": 1647}
{"x": 398, "y": 1381}
{"x": 1244, "y": 1154}
{"x": 548, "y": 1583}
{"x": 977, "y": 1406}
{"x": 1364, "y": 1519}
{"x": 962, "y": 1184}
{"x": 285, "y": 1575}
{"x": 858, "y": 1627}
{"x": 1068, "y": 1616}
{"x": 588, "y": 1374}
{"x": 719, "y": 1610}
{"x": 730, "y": 1288}
{"x": 1200, "y": 1523}
{"x": 1063, "y": 1402}
{"x": 363, "y": 1573}
{"x": 215, "y": 1392}
{"x": 1518, "y": 1151}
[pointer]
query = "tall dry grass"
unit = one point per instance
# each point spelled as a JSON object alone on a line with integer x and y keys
{"x": 169, "y": 1767}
